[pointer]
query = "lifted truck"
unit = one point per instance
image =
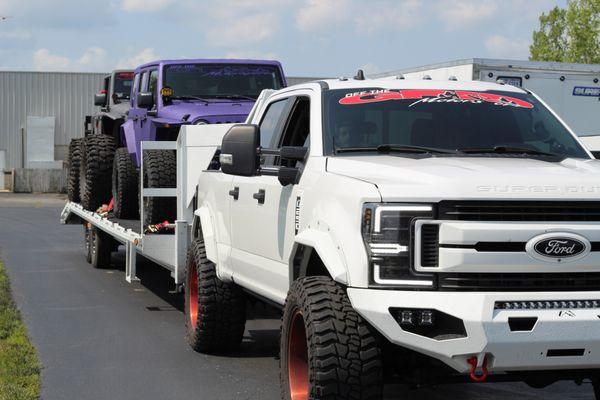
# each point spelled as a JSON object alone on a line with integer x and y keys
{"x": 113, "y": 101}
{"x": 167, "y": 94}
{"x": 412, "y": 231}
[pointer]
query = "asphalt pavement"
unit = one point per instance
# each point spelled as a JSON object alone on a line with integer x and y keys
{"x": 99, "y": 337}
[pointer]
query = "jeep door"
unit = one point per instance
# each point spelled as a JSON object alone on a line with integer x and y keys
{"x": 263, "y": 216}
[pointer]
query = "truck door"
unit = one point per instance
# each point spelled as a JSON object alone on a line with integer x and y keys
{"x": 262, "y": 219}
{"x": 142, "y": 125}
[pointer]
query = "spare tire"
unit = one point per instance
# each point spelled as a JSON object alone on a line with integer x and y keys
{"x": 160, "y": 171}
{"x": 95, "y": 173}
{"x": 125, "y": 185}
{"x": 74, "y": 161}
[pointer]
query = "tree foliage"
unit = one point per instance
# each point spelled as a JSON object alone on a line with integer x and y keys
{"x": 569, "y": 35}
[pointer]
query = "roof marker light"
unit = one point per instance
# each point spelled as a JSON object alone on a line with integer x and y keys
{"x": 426, "y": 77}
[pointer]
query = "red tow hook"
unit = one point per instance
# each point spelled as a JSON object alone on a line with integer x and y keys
{"x": 474, "y": 377}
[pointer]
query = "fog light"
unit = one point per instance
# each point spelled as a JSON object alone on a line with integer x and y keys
{"x": 426, "y": 318}
{"x": 406, "y": 317}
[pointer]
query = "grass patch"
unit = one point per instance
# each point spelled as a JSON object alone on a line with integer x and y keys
{"x": 19, "y": 366}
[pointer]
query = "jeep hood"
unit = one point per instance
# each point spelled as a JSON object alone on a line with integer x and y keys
{"x": 400, "y": 178}
{"x": 212, "y": 112}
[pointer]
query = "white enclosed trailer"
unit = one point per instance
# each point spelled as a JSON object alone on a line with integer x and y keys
{"x": 572, "y": 90}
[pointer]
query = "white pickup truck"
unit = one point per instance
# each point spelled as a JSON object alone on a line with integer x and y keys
{"x": 412, "y": 230}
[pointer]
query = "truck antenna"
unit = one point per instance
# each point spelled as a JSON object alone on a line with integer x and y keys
{"x": 360, "y": 75}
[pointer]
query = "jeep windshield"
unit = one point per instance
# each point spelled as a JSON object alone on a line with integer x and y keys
{"x": 443, "y": 122}
{"x": 122, "y": 86}
{"x": 220, "y": 81}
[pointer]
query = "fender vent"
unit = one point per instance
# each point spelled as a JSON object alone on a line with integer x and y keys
{"x": 430, "y": 245}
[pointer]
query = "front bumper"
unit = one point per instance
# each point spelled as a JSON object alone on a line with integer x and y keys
{"x": 487, "y": 329}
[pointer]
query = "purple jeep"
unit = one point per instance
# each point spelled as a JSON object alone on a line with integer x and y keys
{"x": 167, "y": 94}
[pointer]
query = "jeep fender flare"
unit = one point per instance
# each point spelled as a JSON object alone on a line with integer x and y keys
{"x": 326, "y": 248}
{"x": 129, "y": 135}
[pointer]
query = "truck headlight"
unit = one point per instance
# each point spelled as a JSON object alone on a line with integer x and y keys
{"x": 387, "y": 230}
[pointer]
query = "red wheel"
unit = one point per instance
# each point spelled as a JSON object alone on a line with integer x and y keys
{"x": 193, "y": 295}
{"x": 298, "y": 359}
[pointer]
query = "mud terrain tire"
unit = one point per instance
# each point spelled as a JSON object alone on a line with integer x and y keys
{"x": 125, "y": 185}
{"x": 215, "y": 311}
{"x": 328, "y": 351}
{"x": 74, "y": 161}
{"x": 160, "y": 171}
{"x": 95, "y": 176}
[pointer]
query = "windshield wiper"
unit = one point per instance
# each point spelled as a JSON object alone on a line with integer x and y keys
{"x": 233, "y": 96}
{"x": 191, "y": 98}
{"x": 395, "y": 148}
{"x": 508, "y": 150}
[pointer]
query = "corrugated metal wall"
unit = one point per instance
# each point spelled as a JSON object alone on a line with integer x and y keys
{"x": 66, "y": 96}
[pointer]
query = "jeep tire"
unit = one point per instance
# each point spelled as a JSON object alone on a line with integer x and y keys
{"x": 95, "y": 174}
{"x": 74, "y": 162}
{"x": 125, "y": 185}
{"x": 327, "y": 350}
{"x": 102, "y": 246}
{"x": 160, "y": 169}
{"x": 215, "y": 311}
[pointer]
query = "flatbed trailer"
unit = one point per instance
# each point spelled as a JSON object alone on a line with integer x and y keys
{"x": 196, "y": 148}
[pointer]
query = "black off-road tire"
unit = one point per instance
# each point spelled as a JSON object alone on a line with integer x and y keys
{"x": 328, "y": 352}
{"x": 160, "y": 171}
{"x": 95, "y": 176}
{"x": 215, "y": 311}
{"x": 74, "y": 163}
{"x": 101, "y": 247}
{"x": 87, "y": 242}
{"x": 125, "y": 185}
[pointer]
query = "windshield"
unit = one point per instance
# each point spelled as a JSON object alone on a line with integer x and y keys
{"x": 226, "y": 81}
{"x": 122, "y": 88}
{"x": 444, "y": 120}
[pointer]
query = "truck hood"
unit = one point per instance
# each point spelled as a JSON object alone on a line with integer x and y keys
{"x": 437, "y": 178}
{"x": 219, "y": 111}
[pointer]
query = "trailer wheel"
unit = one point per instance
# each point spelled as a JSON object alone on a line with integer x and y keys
{"x": 74, "y": 162}
{"x": 87, "y": 242}
{"x": 101, "y": 247}
{"x": 95, "y": 176}
{"x": 327, "y": 350}
{"x": 215, "y": 311}
{"x": 125, "y": 185}
{"x": 160, "y": 169}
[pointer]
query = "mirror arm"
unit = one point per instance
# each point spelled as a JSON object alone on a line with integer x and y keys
{"x": 269, "y": 171}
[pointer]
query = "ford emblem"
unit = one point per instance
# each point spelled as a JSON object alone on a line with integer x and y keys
{"x": 558, "y": 246}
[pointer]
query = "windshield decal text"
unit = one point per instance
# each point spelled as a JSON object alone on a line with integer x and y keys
{"x": 432, "y": 96}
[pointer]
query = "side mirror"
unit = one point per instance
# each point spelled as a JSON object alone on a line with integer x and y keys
{"x": 145, "y": 100}
{"x": 100, "y": 99}
{"x": 239, "y": 150}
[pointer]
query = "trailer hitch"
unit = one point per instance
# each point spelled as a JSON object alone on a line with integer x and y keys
{"x": 472, "y": 361}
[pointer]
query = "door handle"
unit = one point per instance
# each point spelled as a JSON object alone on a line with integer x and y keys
{"x": 235, "y": 193}
{"x": 260, "y": 196}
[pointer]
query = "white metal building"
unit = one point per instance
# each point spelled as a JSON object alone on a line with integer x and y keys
{"x": 572, "y": 90}
{"x": 66, "y": 96}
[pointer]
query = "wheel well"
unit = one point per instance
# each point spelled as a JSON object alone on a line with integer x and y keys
{"x": 308, "y": 263}
{"x": 196, "y": 228}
